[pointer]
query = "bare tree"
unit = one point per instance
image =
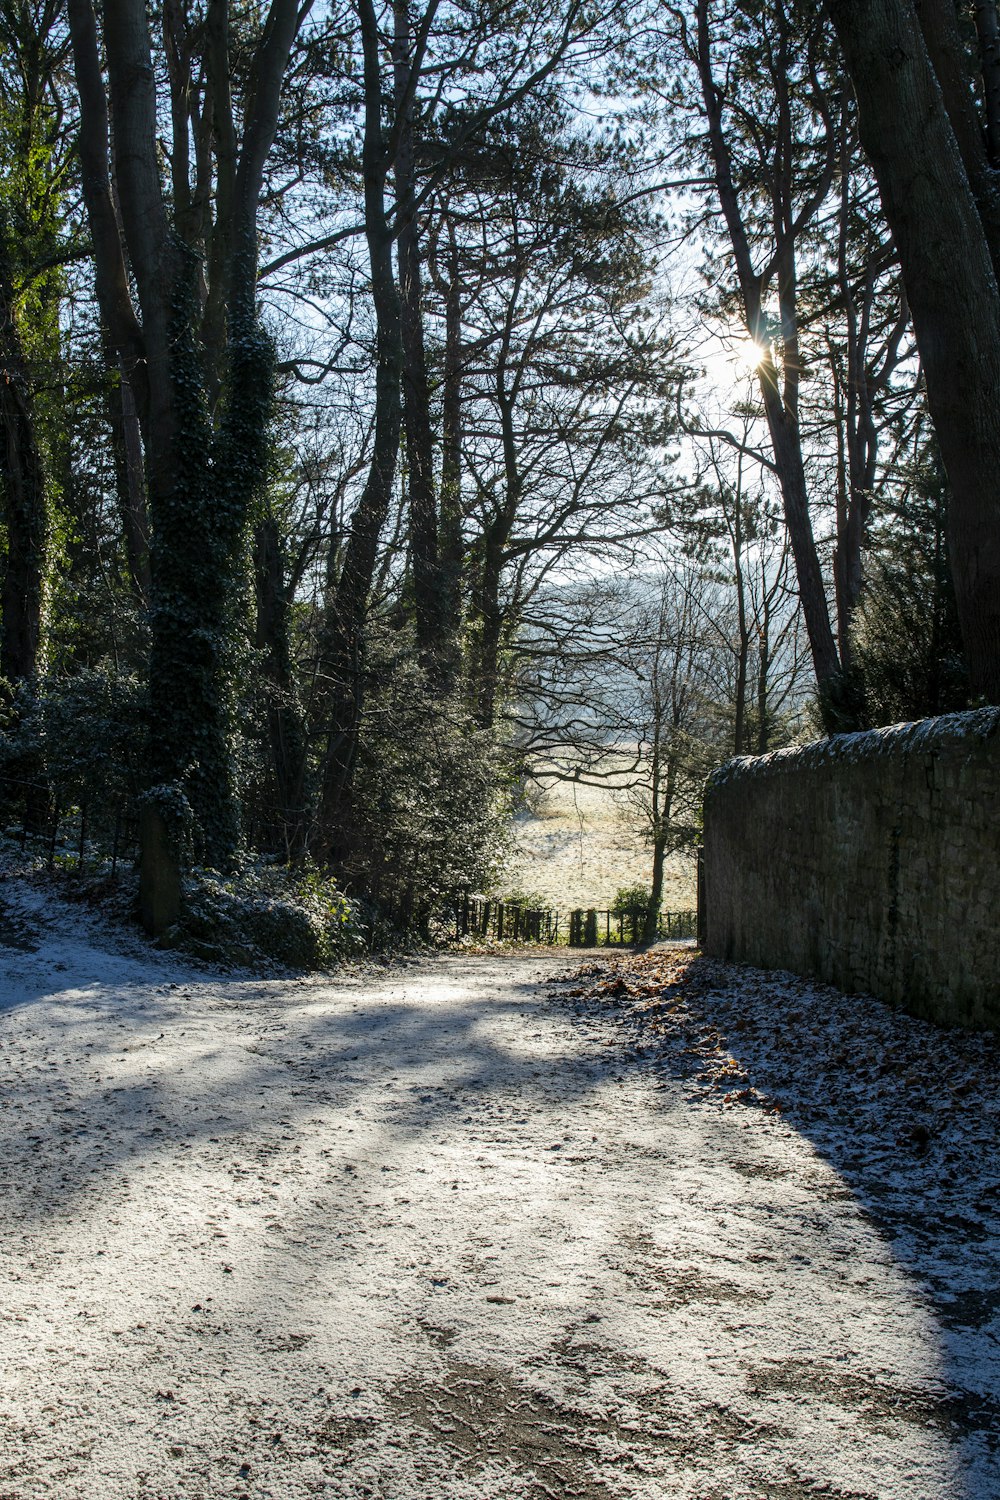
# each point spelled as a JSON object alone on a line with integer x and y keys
{"x": 804, "y": 263}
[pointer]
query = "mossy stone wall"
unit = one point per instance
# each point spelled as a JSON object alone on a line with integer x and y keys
{"x": 868, "y": 860}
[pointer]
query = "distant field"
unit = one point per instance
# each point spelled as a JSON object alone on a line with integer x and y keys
{"x": 581, "y": 844}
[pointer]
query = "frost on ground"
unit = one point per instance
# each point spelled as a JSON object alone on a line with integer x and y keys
{"x": 579, "y": 844}
{"x": 442, "y": 1232}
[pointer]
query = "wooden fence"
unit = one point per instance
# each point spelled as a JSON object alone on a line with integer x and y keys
{"x": 591, "y": 927}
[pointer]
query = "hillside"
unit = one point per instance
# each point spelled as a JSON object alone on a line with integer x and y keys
{"x": 578, "y": 844}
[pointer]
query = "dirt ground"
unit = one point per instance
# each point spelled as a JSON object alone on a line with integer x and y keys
{"x": 438, "y": 1232}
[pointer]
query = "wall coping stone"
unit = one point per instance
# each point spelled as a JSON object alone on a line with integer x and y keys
{"x": 920, "y": 736}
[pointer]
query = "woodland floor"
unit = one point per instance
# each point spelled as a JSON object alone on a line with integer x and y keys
{"x": 455, "y": 1231}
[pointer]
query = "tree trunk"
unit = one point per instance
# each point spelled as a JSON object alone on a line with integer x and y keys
{"x": 192, "y": 565}
{"x": 988, "y": 30}
{"x": 780, "y": 405}
{"x": 130, "y": 478}
{"x": 742, "y": 628}
{"x": 947, "y": 55}
{"x": 286, "y": 731}
{"x": 25, "y": 510}
{"x": 451, "y": 543}
{"x": 651, "y": 924}
{"x": 763, "y": 683}
{"x": 342, "y": 655}
{"x": 662, "y": 807}
{"x": 857, "y": 434}
{"x": 489, "y": 630}
{"x": 200, "y": 482}
{"x": 659, "y": 826}
{"x": 343, "y": 650}
{"x": 159, "y": 874}
{"x": 415, "y": 385}
{"x": 785, "y": 441}
{"x": 952, "y": 292}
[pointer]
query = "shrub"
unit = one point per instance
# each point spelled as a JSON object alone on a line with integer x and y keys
{"x": 630, "y": 898}
{"x": 297, "y": 918}
{"x": 80, "y": 738}
{"x": 527, "y": 900}
{"x": 431, "y": 795}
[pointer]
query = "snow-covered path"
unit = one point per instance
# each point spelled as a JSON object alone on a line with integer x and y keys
{"x": 427, "y": 1234}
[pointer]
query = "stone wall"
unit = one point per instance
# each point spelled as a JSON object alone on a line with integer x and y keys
{"x": 869, "y": 860}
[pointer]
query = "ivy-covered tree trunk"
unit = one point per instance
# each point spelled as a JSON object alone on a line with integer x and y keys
{"x": 25, "y": 508}
{"x": 33, "y": 432}
{"x": 205, "y": 409}
{"x": 197, "y": 530}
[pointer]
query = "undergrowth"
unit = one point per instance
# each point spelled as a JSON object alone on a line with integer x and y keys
{"x": 260, "y": 916}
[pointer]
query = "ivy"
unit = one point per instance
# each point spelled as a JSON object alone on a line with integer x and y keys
{"x": 198, "y": 551}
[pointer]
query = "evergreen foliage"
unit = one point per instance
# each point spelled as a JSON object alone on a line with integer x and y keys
{"x": 298, "y": 918}
{"x": 908, "y": 645}
{"x": 431, "y": 810}
{"x": 429, "y": 439}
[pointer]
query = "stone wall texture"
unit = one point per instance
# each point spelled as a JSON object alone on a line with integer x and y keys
{"x": 868, "y": 860}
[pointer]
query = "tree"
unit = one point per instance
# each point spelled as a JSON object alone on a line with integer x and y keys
{"x": 732, "y": 528}
{"x": 797, "y": 190}
{"x": 801, "y": 260}
{"x": 565, "y": 380}
{"x": 938, "y": 206}
{"x": 908, "y": 646}
{"x": 676, "y": 731}
{"x": 193, "y": 350}
{"x": 34, "y": 168}
{"x": 415, "y": 134}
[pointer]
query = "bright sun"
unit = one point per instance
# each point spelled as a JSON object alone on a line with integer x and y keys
{"x": 749, "y": 355}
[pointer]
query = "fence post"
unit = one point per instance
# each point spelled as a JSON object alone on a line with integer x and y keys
{"x": 161, "y": 873}
{"x": 701, "y": 923}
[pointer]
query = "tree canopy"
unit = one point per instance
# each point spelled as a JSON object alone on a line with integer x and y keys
{"x": 403, "y": 399}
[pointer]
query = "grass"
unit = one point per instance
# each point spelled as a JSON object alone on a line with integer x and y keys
{"x": 577, "y": 845}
